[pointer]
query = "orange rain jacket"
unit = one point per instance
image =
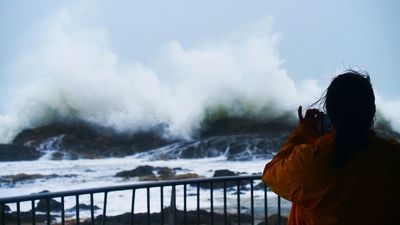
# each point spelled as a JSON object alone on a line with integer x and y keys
{"x": 365, "y": 191}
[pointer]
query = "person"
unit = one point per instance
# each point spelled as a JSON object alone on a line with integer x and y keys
{"x": 345, "y": 176}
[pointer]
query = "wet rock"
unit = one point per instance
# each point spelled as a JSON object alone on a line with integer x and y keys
{"x": 17, "y": 152}
{"x": 83, "y": 207}
{"x": 171, "y": 177}
{"x": 21, "y": 177}
{"x": 149, "y": 173}
{"x": 223, "y": 173}
{"x": 57, "y": 156}
{"x": 28, "y": 178}
{"x": 260, "y": 186}
{"x": 54, "y": 206}
{"x": 139, "y": 171}
{"x": 165, "y": 172}
{"x": 25, "y": 218}
{"x": 86, "y": 140}
{"x": 7, "y": 208}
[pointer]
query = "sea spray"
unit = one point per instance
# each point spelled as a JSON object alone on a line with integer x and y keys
{"x": 72, "y": 73}
{"x": 75, "y": 74}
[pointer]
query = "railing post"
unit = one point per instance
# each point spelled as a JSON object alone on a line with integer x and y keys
{"x": 18, "y": 213}
{"x": 133, "y": 206}
{"x": 172, "y": 208}
{"x": 184, "y": 204}
{"x": 91, "y": 209}
{"x": 48, "y": 211}
{"x": 238, "y": 201}
{"x": 105, "y": 207}
{"x": 62, "y": 211}
{"x": 3, "y": 214}
{"x": 33, "y": 212}
{"x": 279, "y": 210}
{"x": 162, "y": 204}
{"x": 77, "y": 209}
{"x": 265, "y": 205}
{"x": 148, "y": 205}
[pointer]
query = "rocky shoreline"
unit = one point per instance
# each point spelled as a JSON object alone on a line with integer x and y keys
{"x": 80, "y": 140}
{"x": 237, "y": 138}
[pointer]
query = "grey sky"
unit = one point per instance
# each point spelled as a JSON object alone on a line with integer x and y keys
{"x": 317, "y": 37}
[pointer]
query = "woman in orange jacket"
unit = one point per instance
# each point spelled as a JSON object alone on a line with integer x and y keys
{"x": 345, "y": 176}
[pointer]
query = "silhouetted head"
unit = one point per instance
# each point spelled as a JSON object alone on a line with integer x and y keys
{"x": 350, "y": 104}
{"x": 350, "y": 101}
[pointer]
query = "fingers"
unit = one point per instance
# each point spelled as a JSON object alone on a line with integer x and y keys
{"x": 300, "y": 113}
{"x": 312, "y": 114}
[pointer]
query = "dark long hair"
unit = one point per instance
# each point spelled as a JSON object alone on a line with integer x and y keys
{"x": 350, "y": 104}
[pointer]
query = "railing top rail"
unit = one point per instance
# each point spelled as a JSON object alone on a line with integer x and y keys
{"x": 140, "y": 185}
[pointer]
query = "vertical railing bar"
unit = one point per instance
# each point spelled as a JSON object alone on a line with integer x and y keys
{"x": 252, "y": 201}
{"x": 62, "y": 211}
{"x": 48, "y": 210}
{"x": 212, "y": 202}
{"x": 279, "y": 210}
{"x": 198, "y": 203}
{"x": 77, "y": 209}
{"x": 162, "y": 204}
{"x": 184, "y": 205}
{"x": 148, "y": 205}
{"x": 133, "y": 206}
{"x": 33, "y": 213}
{"x": 104, "y": 208}
{"x": 238, "y": 200}
{"x": 91, "y": 209}
{"x": 225, "y": 207}
{"x": 18, "y": 213}
{"x": 3, "y": 214}
{"x": 265, "y": 205}
{"x": 174, "y": 199}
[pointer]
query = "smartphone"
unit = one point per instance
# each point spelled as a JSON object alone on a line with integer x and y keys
{"x": 325, "y": 124}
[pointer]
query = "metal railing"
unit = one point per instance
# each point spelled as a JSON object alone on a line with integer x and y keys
{"x": 225, "y": 198}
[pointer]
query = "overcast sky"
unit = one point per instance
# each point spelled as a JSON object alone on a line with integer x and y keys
{"x": 316, "y": 38}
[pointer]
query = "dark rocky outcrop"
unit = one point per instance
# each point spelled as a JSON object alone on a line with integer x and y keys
{"x": 54, "y": 205}
{"x": 149, "y": 173}
{"x": 10, "y": 180}
{"x": 83, "y": 207}
{"x": 234, "y": 147}
{"x": 84, "y": 140}
{"x": 6, "y": 208}
{"x": 139, "y": 171}
{"x": 223, "y": 173}
{"x": 17, "y": 152}
{"x": 78, "y": 139}
{"x": 25, "y": 218}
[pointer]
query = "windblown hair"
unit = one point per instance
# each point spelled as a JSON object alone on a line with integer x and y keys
{"x": 350, "y": 104}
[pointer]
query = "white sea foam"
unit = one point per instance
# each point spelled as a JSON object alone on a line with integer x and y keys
{"x": 73, "y": 73}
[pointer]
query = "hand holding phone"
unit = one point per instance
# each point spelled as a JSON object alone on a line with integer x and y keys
{"x": 313, "y": 118}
